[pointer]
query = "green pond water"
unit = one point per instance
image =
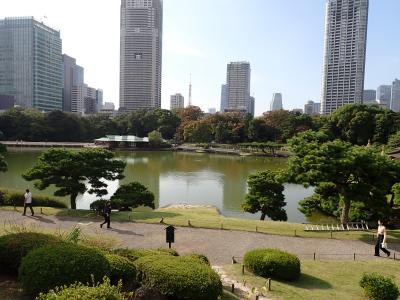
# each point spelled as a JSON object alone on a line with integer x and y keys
{"x": 178, "y": 177}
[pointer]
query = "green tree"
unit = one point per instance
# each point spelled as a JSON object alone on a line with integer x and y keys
{"x": 3, "y": 164}
{"x": 70, "y": 171}
{"x": 343, "y": 173}
{"x": 259, "y": 131}
{"x": 132, "y": 195}
{"x": 266, "y": 196}
{"x": 198, "y": 132}
{"x": 155, "y": 139}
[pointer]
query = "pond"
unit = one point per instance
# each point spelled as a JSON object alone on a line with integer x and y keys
{"x": 177, "y": 177}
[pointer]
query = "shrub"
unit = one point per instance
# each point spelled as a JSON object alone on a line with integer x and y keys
{"x": 199, "y": 257}
{"x": 134, "y": 254}
{"x": 123, "y": 269}
{"x": 272, "y": 263}
{"x": 11, "y": 198}
{"x": 378, "y": 287}
{"x": 103, "y": 291}
{"x": 179, "y": 278}
{"x": 61, "y": 264}
{"x": 15, "y": 246}
{"x": 98, "y": 205}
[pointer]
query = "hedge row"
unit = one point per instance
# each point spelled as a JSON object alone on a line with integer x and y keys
{"x": 135, "y": 254}
{"x": 11, "y": 198}
{"x": 13, "y": 247}
{"x": 273, "y": 263}
{"x": 179, "y": 278}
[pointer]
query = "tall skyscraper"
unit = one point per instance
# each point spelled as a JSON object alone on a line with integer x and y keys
{"x": 276, "y": 103}
{"x": 384, "y": 95}
{"x": 73, "y": 75}
{"x": 252, "y": 106}
{"x": 395, "y": 102}
{"x": 31, "y": 63}
{"x": 312, "y": 108}
{"x": 369, "y": 97}
{"x": 141, "y": 54}
{"x": 238, "y": 82}
{"x": 84, "y": 99}
{"x": 177, "y": 102}
{"x": 224, "y": 97}
{"x": 345, "y": 50}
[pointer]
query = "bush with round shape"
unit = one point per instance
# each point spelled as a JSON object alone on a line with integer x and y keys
{"x": 199, "y": 257}
{"x": 15, "y": 246}
{"x": 102, "y": 291}
{"x": 61, "y": 264}
{"x": 273, "y": 263}
{"x": 179, "y": 278}
{"x": 123, "y": 269}
{"x": 134, "y": 254}
{"x": 378, "y": 287}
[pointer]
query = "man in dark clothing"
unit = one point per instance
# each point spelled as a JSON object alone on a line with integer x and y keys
{"x": 28, "y": 202}
{"x": 107, "y": 215}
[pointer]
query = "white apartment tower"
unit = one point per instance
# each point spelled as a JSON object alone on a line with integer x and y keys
{"x": 345, "y": 50}
{"x": 141, "y": 54}
{"x": 238, "y": 86}
{"x": 177, "y": 102}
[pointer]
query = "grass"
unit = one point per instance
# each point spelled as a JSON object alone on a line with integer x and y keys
{"x": 321, "y": 280}
{"x": 210, "y": 218}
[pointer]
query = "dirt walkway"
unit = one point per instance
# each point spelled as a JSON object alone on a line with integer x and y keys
{"x": 218, "y": 245}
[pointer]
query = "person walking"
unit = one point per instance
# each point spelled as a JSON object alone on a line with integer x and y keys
{"x": 28, "y": 202}
{"x": 381, "y": 241}
{"x": 107, "y": 215}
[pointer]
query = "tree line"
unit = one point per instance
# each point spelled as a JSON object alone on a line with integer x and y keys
{"x": 356, "y": 124}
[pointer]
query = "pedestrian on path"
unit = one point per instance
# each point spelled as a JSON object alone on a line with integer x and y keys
{"x": 107, "y": 215}
{"x": 381, "y": 240}
{"x": 28, "y": 202}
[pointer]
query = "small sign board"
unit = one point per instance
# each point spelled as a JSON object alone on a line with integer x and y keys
{"x": 170, "y": 235}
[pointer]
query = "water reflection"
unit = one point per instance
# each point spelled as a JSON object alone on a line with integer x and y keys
{"x": 179, "y": 178}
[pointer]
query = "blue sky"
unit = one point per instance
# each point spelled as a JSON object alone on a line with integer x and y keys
{"x": 282, "y": 39}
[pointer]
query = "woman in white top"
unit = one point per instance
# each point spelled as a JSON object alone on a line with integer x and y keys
{"x": 381, "y": 239}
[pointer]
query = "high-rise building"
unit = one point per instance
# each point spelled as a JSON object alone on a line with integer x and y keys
{"x": 395, "y": 101}
{"x": 238, "y": 90}
{"x": 141, "y": 54}
{"x": 73, "y": 75}
{"x": 369, "y": 97}
{"x": 109, "y": 106}
{"x": 276, "y": 103}
{"x": 31, "y": 63}
{"x": 177, "y": 101}
{"x": 252, "y": 106}
{"x": 212, "y": 111}
{"x": 384, "y": 95}
{"x": 345, "y": 50}
{"x": 84, "y": 100}
{"x": 312, "y": 108}
{"x": 224, "y": 97}
{"x": 99, "y": 100}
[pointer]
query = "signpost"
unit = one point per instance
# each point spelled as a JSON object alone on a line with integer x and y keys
{"x": 170, "y": 235}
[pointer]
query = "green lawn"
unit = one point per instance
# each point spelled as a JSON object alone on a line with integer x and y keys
{"x": 210, "y": 218}
{"x": 321, "y": 280}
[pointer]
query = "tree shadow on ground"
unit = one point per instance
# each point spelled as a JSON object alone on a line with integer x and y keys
{"x": 124, "y": 232}
{"x": 310, "y": 282}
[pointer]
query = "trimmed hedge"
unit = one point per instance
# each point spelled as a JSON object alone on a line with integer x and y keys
{"x": 61, "y": 264}
{"x": 378, "y": 287}
{"x": 11, "y": 198}
{"x": 199, "y": 257}
{"x": 179, "y": 278}
{"x": 123, "y": 269}
{"x": 134, "y": 254}
{"x": 15, "y": 246}
{"x": 103, "y": 291}
{"x": 273, "y": 263}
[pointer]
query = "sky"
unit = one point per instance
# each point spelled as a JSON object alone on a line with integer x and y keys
{"x": 282, "y": 40}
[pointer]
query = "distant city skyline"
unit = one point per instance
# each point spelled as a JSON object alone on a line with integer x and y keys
{"x": 293, "y": 65}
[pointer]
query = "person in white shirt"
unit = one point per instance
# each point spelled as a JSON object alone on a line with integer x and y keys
{"x": 28, "y": 202}
{"x": 381, "y": 241}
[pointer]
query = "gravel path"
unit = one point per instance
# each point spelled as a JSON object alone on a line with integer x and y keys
{"x": 218, "y": 245}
